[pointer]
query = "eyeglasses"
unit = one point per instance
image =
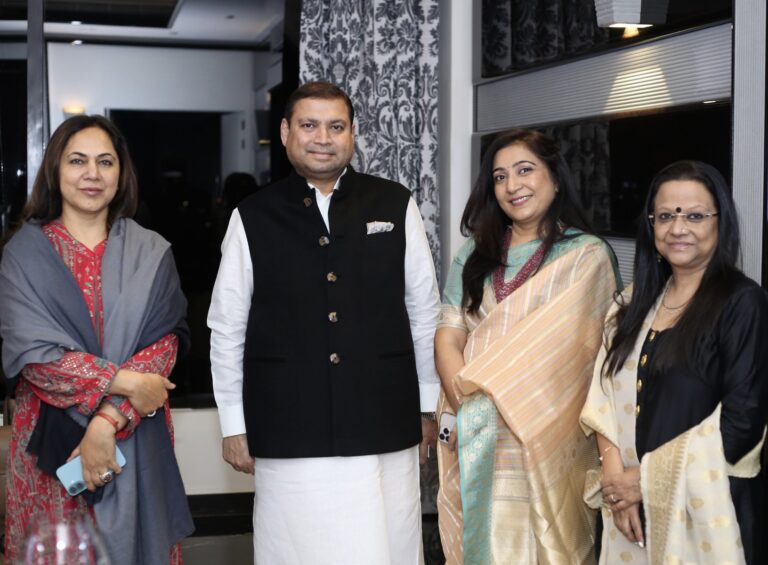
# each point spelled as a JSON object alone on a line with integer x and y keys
{"x": 666, "y": 218}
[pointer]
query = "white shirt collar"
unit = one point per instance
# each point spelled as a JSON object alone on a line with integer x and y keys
{"x": 335, "y": 186}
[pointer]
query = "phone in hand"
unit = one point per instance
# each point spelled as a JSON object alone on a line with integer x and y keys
{"x": 446, "y": 426}
{"x": 71, "y": 473}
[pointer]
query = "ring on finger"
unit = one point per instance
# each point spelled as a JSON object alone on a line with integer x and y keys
{"x": 106, "y": 476}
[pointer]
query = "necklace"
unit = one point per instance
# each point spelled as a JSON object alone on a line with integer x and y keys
{"x": 502, "y": 288}
{"x": 672, "y": 308}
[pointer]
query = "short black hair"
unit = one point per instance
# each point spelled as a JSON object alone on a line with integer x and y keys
{"x": 318, "y": 89}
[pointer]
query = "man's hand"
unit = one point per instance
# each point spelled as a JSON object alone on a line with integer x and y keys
{"x": 428, "y": 438}
{"x": 235, "y": 452}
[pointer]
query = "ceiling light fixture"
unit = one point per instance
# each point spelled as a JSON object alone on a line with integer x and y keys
{"x": 77, "y": 42}
{"x": 76, "y": 22}
{"x": 630, "y": 31}
{"x": 630, "y": 26}
{"x": 72, "y": 110}
{"x": 638, "y": 13}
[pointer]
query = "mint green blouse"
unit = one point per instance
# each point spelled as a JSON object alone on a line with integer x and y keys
{"x": 453, "y": 315}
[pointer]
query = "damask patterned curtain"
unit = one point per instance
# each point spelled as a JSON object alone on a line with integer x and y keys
{"x": 383, "y": 53}
{"x": 517, "y": 34}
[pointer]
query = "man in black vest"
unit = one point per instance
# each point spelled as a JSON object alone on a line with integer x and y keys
{"x": 322, "y": 323}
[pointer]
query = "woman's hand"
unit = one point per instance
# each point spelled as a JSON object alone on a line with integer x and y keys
{"x": 622, "y": 490}
{"x": 97, "y": 453}
{"x": 147, "y": 392}
{"x": 453, "y": 439}
{"x": 449, "y": 360}
{"x": 628, "y": 523}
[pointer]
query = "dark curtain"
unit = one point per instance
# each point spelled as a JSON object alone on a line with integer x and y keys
{"x": 585, "y": 147}
{"x": 517, "y": 34}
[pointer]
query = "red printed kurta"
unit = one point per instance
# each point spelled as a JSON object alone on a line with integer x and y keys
{"x": 77, "y": 379}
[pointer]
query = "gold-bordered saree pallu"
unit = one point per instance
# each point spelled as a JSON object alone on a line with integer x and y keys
{"x": 689, "y": 514}
{"x": 522, "y": 456}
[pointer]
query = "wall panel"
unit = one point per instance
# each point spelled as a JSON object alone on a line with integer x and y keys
{"x": 681, "y": 69}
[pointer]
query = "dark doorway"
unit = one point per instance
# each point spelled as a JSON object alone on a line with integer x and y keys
{"x": 178, "y": 160}
{"x": 13, "y": 141}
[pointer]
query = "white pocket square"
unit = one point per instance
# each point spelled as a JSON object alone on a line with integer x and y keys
{"x": 379, "y": 227}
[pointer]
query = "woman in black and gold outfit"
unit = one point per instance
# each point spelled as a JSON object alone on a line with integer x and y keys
{"x": 679, "y": 399}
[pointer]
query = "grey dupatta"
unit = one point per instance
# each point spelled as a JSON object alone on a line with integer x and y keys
{"x": 42, "y": 315}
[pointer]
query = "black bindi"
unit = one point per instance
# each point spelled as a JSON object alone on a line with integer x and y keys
{"x": 678, "y": 209}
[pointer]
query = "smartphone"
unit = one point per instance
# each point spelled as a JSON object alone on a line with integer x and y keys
{"x": 71, "y": 473}
{"x": 446, "y": 426}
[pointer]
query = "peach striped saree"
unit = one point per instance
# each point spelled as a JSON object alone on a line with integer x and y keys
{"x": 514, "y": 492}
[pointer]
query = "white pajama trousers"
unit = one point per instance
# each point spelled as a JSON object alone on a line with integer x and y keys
{"x": 338, "y": 510}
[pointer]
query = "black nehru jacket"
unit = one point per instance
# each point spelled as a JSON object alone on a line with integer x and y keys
{"x": 329, "y": 366}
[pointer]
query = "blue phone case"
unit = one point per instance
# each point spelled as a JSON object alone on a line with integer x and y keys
{"x": 71, "y": 473}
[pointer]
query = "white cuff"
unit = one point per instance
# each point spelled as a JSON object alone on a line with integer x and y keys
{"x": 428, "y": 393}
{"x": 232, "y": 420}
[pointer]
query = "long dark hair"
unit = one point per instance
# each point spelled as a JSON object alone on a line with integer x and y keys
{"x": 484, "y": 220}
{"x": 651, "y": 274}
{"x": 44, "y": 204}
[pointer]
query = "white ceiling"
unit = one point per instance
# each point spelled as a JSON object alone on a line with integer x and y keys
{"x": 194, "y": 22}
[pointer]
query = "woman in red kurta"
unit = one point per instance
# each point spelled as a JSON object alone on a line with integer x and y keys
{"x": 77, "y": 379}
{"x": 114, "y": 398}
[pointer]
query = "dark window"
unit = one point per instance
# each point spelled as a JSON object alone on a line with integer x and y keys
{"x": 13, "y": 142}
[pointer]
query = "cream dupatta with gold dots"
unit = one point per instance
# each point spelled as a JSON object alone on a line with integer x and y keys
{"x": 690, "y": 517}
{"x": 521, "y": 453}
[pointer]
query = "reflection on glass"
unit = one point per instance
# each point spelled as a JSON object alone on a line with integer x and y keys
{"x": 521, "y": 34}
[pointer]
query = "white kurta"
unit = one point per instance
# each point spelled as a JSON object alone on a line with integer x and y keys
{"x": 333, "y": 510}
{"x": 338, "y": 510}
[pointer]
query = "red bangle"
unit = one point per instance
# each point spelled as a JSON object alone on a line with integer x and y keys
{"x": 109, "y": 419}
